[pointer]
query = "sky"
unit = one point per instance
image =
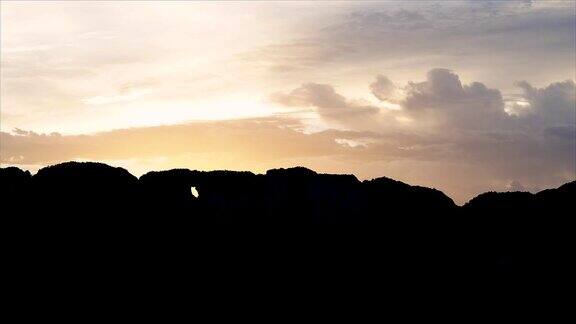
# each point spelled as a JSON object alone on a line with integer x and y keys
{"x": 463, "y": 96}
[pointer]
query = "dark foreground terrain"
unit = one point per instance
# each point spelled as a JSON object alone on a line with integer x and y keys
{"x": 376, "y": 225}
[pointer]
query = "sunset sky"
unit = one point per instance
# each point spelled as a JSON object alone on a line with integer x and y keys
{"x": 463, "y": 96}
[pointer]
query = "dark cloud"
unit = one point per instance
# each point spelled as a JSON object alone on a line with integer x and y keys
{"x": 322, "y": 96}
{"x": 551, "y": 106}
{"x": 534, "y": 146}
{"x": 383, "y": 88}
{"x": 400, "y": 20}
{"x": 466, "y": 125}
{"x": 499, "y": 38}
{"x": 564, "y": 132}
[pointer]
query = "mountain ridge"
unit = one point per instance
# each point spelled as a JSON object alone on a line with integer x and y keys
{"x": 94, "y": 203}
{"x": 68, "y": 169}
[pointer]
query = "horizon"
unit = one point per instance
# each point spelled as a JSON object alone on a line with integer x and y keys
{"x": 462, "y": 96}
{"x": 88, "y": 164}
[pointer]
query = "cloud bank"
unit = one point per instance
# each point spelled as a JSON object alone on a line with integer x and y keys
{"x": 468, "y": 124}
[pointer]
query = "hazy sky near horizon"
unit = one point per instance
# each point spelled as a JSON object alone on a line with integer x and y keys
{"x": 464, "y": 96}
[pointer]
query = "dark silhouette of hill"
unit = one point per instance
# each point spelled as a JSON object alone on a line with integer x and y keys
{"x": 532, "y": 229}
{"x": 549, "y": 199}
{"x": 80, "y": 188}
{"x": 288, "y": 196}
{"x": 294, "y": 195}
{"x": 405, "y": 200}
{"x": 15, "y": 187}
{"x": 385, "y": 220}
{"x": 502, "y": 201}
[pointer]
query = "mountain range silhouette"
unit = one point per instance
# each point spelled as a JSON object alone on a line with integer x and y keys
{"x": 501, "y": 230}
{"x": 294, "y": 195}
